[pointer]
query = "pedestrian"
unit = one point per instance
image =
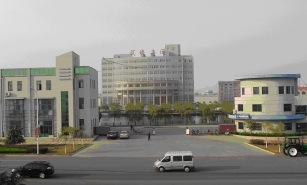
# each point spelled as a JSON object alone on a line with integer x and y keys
{"x": 131, "y": 127}
{"x": 148, "y": 135}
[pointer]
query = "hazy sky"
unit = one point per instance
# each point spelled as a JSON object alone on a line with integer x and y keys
{"x": 227, "y": 38}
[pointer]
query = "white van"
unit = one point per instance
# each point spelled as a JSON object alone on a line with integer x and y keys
{"x": 176, "y": 160}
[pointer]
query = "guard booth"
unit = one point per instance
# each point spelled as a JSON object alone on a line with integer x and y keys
{"x": 101, "y": 130}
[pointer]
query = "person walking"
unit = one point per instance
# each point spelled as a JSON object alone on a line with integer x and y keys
{"x": 148, "y": 135}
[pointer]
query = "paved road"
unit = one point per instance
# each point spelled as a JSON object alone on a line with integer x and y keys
{"x": 169, "y": 139}
{"x": 139, "y": 171}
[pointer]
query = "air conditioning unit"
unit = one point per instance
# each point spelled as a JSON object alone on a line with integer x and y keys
{"x": 234, "y": 111}
{"x": 7, "y": 94}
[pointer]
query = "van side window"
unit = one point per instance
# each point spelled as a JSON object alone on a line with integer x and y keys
{"x": 187, "y": 158}
{"x": 166, "y": 159}
{"x": 177, "y": 158}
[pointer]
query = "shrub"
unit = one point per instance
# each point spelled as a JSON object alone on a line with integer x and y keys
{"x": 11, "y": 150}
{"x": 41, "y": 150}
{"x": 256, "y": 141}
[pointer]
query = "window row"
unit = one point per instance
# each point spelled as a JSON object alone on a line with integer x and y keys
{"x": 93, "y": 103}
{"x": 265, "y": 90}
{"x": 39, "y": 87}
{"x": 258, "y": 107}
{"x": 92, "y": 84}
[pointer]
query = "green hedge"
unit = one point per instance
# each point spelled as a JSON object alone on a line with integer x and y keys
{"x": 9, "y": 150}
{"x": 271, "y": 134}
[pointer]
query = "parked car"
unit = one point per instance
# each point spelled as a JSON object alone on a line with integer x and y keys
{"x": 41, "y": 169}
{"x": 112, "y": 135}
{"x": 124, "y": 134}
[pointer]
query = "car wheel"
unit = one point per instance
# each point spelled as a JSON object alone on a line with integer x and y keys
{"x": 186, "y": 169}
{"x": 42, "y": 175}
{"x": 292, "y": 152}
{"x": 161, "y": 169}
{"x": 286, "y": 151}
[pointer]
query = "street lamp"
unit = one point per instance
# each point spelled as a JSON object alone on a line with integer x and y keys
{"x": 37, "y": 125}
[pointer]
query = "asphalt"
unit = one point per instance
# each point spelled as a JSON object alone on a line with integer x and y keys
{"x": 169, "y": 139}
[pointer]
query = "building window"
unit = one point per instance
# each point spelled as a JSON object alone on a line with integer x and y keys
{"x": 10, "y": 86}
{"x": 287, "y": 89}
{"x": 81, "y": 103}
{"x": 48, "y": 85}
{"x": 19, "y": 85}
{"x": 257, "y": 108}
{"x": 80, "y": 83}
{"x": 257, "y": 126}
{"x": 240, "y": 107}
{"x": 288, "y": 126}
{"x": 281, "y": 90}
{"x": 243, "y": 91}
{"x": 265, "y": 90}
{"x": 38, "y": 85}
{"x": 241, "y": 125}
{"x": 255, "y": 90}
{"x": 81, "y": 124}
{"x": 287, "y": 107}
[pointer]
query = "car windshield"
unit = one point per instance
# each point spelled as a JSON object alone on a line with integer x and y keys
{"x": 124, "y": 132}
{"x": 111, "y": 132}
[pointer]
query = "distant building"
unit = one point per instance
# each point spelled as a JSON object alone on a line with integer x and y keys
{"x": 228, "y": 90}
{"x": 149, "y": 79}
{"x": 67, "y": 96}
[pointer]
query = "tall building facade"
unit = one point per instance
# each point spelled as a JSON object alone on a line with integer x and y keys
{"x": 66, "y": 94}
{"x": 270, "y": 98}
{"x": 228, "y": 90}
{"x": 152, "y": 80}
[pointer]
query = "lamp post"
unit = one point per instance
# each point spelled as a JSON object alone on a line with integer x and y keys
{"x": 37, "y": 125}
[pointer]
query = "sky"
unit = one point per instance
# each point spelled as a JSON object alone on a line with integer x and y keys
{"x": 227, "y": 38}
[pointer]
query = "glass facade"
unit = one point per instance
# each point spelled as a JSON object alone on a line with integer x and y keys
{"x": 43, "y": 71}
{"x": 45, "y": 116}
{"x": 64, "y": 108}
{"x": 14, "y": 114}
{"x": 82, "y": 70}
{"x": 14, "y": 72}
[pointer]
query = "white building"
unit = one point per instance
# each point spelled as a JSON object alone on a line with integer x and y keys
{"x": 67, "y": 96}
{"x": 269, "y": 98}
{"x": 152, "y": 80}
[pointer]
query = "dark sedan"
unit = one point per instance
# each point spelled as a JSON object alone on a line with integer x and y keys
{"x": 112, "y": 135}
{"x": 41, "y": 169}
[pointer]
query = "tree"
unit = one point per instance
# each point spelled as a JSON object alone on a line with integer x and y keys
{"x": 134, "y": 112}
{"x": 188, "y": 109}
{"x": 279, "y": 129}
{"x": 166, "y": 109}
{"x": 71, "y": 131}
{"x": 267, "y": 127}
{"x": 14, "y": 136}
{"x": 154, "y": 112}
{"x": 207, "y": 111}
{"x": 249, "y": 125}
{"x": 115, "y": 109}
{"x": 6, "y": 179}
{"x": 227, "y": 108}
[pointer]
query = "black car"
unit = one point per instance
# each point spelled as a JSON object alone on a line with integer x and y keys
{"x": 112, "y": 135}
{"x": 41, "y": 169}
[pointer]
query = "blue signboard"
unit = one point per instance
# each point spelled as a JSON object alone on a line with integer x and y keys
{"x": 242, "y": 116}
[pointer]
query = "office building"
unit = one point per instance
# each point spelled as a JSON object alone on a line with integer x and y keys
{"x": 148, "y": 79}
{"x": 269, "y": 98}
{"x": 66, "y": 94}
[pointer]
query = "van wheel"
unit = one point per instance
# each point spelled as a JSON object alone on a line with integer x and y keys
{"x": 187, "y": 169}
{"x": 161, "y": 169}
{"x": 42, "y": 175}
{"x": 17, "y": 174}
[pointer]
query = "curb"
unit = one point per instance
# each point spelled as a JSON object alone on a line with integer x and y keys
{"x": 73, "y": 153}
{"x": 260, "y": 149}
